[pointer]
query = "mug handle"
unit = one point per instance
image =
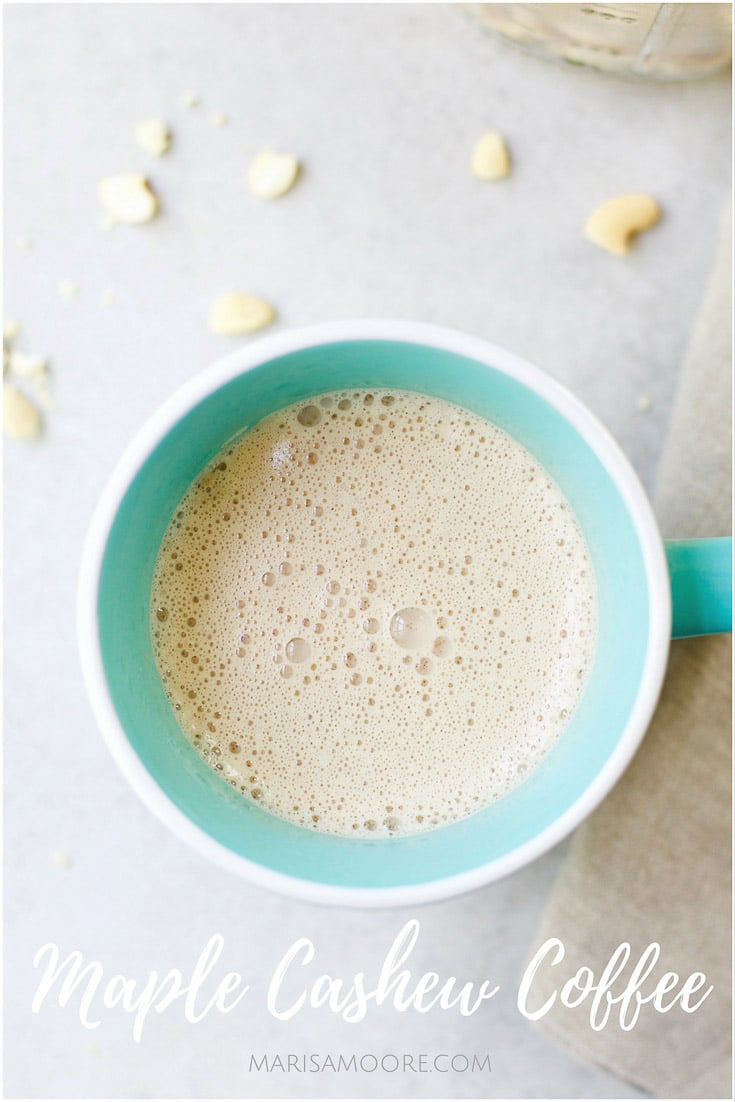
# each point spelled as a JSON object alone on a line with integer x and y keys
{"x": 701, "y": 585}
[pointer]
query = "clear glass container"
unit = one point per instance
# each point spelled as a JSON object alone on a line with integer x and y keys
{"x": 659, "y": 41}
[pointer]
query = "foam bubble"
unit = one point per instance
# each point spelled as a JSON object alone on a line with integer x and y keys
{"x": 411, "y": 628}
{"x": 309, "y": 416}
{"x": 298, "y": 650}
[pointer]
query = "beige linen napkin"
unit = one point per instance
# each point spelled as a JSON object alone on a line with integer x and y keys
{"x": 654, "y": 861}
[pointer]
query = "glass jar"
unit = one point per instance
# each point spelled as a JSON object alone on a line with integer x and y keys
{"x": 659, "y": 41}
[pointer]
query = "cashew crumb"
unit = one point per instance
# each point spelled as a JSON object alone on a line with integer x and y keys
{"x": 190, "y": 99}
{"x": 644, "y": 403}
{"x": 218, "y": 119}
{"x": 61, "y": 858}
{"x": 68, "y": 289}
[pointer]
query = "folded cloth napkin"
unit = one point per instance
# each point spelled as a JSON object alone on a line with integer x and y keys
{"x": 653, "y": 863}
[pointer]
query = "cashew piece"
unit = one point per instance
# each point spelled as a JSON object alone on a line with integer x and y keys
{"x": 128, "y": 198}
{"x": 153, "y": 136}
{"x": 21, "y": 419}
{"x": 271, "y": 175}
{"x": 27, "y": 366}
{"x": 615, "y": 223}
{"x": 236, "y": 314}
{"x": 490, "y": 158}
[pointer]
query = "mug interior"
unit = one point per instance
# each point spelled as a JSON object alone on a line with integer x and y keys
{"x": 490, "y": 835}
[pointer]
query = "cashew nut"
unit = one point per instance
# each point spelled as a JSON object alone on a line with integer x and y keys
{"x": 235, "y": 314}
{"x": 271, "y": 175}
{"x": 614, "y": 224}
{"x": 21, "y": 419}
{"x": 153, "y": 136}
{"x": 128, "y": 198}
{"x": 490, "y": 159}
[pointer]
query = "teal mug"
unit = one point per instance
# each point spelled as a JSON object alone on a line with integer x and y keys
{"x": 636, "y": 575}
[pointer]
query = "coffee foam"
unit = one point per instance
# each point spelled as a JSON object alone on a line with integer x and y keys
{"x": 374, "y": 613}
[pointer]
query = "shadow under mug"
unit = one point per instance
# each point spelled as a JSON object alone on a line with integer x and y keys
{"x": 634, "y": 586}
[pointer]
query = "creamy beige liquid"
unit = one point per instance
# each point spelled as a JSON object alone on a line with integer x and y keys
{"x": 374, "y": 613}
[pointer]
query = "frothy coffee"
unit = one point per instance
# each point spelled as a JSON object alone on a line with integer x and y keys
{"x": 374, "y": 613}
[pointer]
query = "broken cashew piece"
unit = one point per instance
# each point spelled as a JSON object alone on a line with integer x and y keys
{"x": 27, "y": 366}
{"x": 271, "y": 175}
{"x": 613, "y": 225}
{"x": 21, "y": 419}
{"x": 128, "y": 198}
{"x": 236, "y": 314}
{"x": 11, "y": 329}
{"x": 153, "y": 136}
{"x": 490, "y": 158}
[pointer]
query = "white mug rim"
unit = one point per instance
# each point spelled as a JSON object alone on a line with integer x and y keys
{"x": 271, "y": 347}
